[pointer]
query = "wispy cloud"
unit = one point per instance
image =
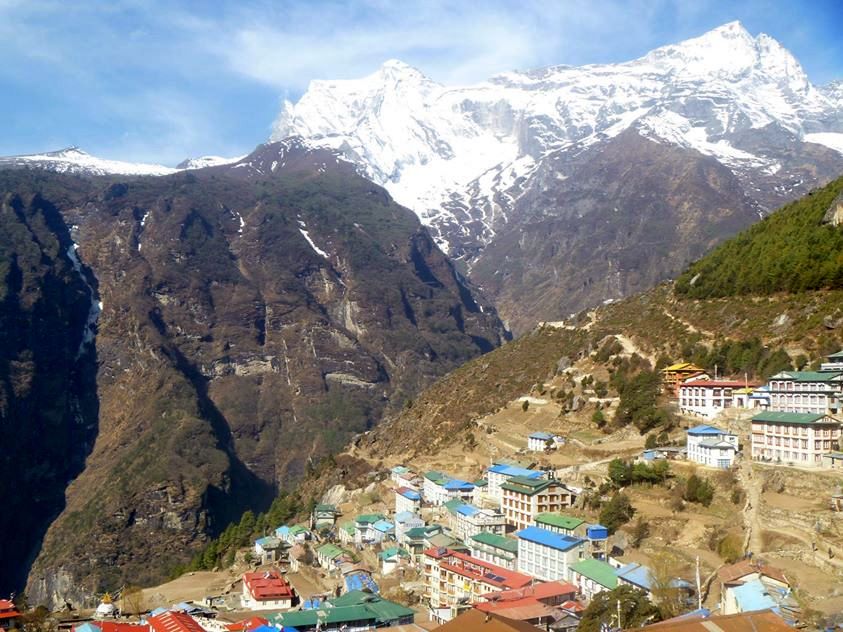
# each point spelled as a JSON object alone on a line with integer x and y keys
{"x": 161, "y": 80}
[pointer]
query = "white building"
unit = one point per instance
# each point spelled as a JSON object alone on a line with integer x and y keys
{"x": 494, "y": 548}
{"x": 835, "y": 363}
{"x": 539, "y": 441}
{"x": 712, "y": 446}
{"x": 794, "y": 438}
{"x": 405, "y": 521}
{"x": 547, "y": 555}
{"x": 500, "y": 473}
{"x": 433, "y": 488}
{"x": 266, "y": 590}
{"x": 816, "y": 392}
{"x": 407, "y": 499}
{"x": 469, "y": 520}
{"x": 708, "y": 398}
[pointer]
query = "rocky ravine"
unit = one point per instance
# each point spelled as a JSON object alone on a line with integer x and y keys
{"x": 254, "y": 315}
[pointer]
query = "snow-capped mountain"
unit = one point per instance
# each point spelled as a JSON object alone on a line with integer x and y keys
{"x": 461, "y": 157}
{"x": 74, "y": 160}
{"x": 77, "y": 161}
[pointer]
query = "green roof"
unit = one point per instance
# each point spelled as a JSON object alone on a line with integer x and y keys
{"x": 452, "y": 505}
{"x": 369, "y": 518}
{"x": 791, "y": 418}
{"x": 348, "y": 527}
{"x": 392, "y": 552}
{"x": 296, "y": 529}
{"x": 808, "y": 376}
{"x": 356, "y": 605}
{"x": 527, "y": 486}
{"x": 510, "y": 545}
{"x": 839, "y": 354}
{"x": 330, "y": 551}
{"x": 437, "y": 477}
{"x": 323, "y": 507}
{"x": 481, "y": 482}
{"x": 559, "y": 520}
{"x": 597, "y": 570}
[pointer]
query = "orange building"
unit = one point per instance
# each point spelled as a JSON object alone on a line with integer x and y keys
{"x": 675, "y": 374}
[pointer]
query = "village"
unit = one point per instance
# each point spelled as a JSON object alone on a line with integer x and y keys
{"x": 515, "y": 544}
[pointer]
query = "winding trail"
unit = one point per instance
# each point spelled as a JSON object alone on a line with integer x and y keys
{"x": 751, "y": 484}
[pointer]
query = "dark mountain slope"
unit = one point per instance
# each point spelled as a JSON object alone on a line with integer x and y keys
{"x": 254, "y": 316}
{"x": 48, "y": 408}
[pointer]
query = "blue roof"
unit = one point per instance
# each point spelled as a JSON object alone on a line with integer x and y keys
{"x": 383, "y": 526}
{"x": 457, "y": 484}
{"x": 283, "y": 530}
{"x": 404, "y": 516}
{"x": 158, "y": 611}
{"x": 514, "y": 470}
{"x": 87, "y": 627}
{"x": 400, "y": 469}
{"x": 468, "y": 510}
{"x": 753, "y": 596}
{"x": 544, "y": 436}
{"x": 410, "y": 493}
{"x": 549, "y": 538}
{"x": 706, "y": 430}
{"x": 636, "y": 574}
{"x": 596, "y": 532}
{"x": 360, "y": 581}
{"x": 266, "y": 628}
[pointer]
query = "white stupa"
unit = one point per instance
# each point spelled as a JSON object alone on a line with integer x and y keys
{"x": 106, "y": 607}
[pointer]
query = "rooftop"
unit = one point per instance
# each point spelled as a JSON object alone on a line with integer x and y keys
{"x": 681, "y": 366}
{"x": 265, "y": 585}
{"x": 704, "y": 429}
{"x": 598, "y": 571}
{"x": 476, "y": 621}
{"x": 368, "y": 518}
{"x": 406, "y": 492}
{"x": 456, "y": 484}
{"x": 473, "y": 568}
{"x": 765, "y": 620}
{"x": 560, "y": 521}
{"x": 510, "y": 545}
{"x": 174, "y": 621}
{"x": 549, "y": 538}
{"x": 738, "y": 570}
{"x": 529, "y": 486}
{"x": 807, "y": 376}
{"x": 542, "y": 436}
{"x": 356, "y": 605}
{"x": 792, "y": 418}
{"x": 514, "y": 470}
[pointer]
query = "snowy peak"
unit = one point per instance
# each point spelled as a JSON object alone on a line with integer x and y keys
{"x": 74, "y": 160}
{"x": 207, "y": 161}
{"x": 461, "y": 154}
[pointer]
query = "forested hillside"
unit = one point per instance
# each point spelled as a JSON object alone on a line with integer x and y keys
{"x": 797, "y": 248}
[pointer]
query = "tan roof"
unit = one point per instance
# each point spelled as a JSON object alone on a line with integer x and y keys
{"x": 765, "y": 620}
{"x": 476, "y": 621}
{"x": 734, "y": 572}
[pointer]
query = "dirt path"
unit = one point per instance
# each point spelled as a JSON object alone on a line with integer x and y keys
{"x": 630, "y": 347}
{"x": 751, "y": 484}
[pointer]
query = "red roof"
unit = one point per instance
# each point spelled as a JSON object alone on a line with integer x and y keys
{"x": 473, "y": 568}
{"x": 247, "y": 624}
{"x": 719, "y": 384}
{"x": 267, "y": 585}
{"x": 113, "y": 626}
{"x": 545, "y": 590}
{"x": 8, "y": 609}
{"x": 174, "y": 621}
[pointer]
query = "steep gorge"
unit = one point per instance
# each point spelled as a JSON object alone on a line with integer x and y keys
{"x": 255, "y": 316}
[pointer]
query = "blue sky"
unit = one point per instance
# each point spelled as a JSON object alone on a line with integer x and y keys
{"x": 158, "y": 80}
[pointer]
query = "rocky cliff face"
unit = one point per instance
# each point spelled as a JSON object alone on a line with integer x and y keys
{"x": 610, "y": 228}
{"x": 48, "y": 412}
{"x": 254, "y": 315}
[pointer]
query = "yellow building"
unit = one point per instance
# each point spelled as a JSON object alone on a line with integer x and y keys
{"x": 675, "y": 374}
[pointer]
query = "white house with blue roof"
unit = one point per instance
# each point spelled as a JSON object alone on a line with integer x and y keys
{"x": 641, "y": 577}
{"x": 469, "y": 520}
{"x": 404, "y": 521}
{"x": 711, "y": 446}
{"x": 548, "y": 555}
{"x": 456, "y": 488}
{"x": 500, "y": 473}
{"x": 407, "y": 499}
{"x": 539, "y": 441}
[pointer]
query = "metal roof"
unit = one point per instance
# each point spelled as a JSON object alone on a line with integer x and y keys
{"x": 549, "y": 538}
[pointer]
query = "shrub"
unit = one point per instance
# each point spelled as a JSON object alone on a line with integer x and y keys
{"x": 616, "y": 513}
